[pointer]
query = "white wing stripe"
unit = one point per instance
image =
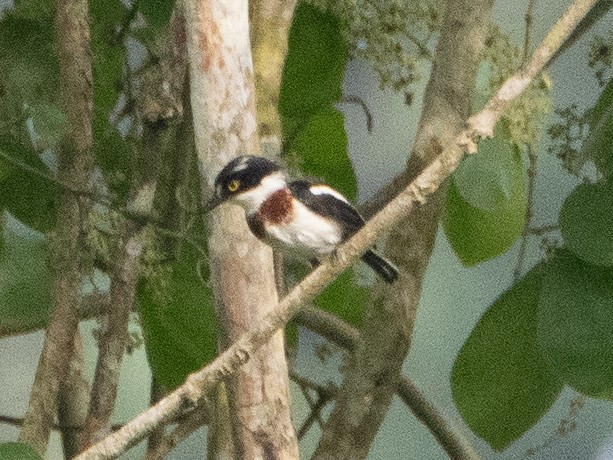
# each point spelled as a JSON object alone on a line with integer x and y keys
{"x": 322, "y": 189}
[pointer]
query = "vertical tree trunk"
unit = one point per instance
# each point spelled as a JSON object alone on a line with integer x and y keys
{"x": 74, "y": 167}
{"x": 72, "y": 401}
{"x": 374, "y": 372}
{"x": 224, "y": 112}
{"x": 270, "y": 24}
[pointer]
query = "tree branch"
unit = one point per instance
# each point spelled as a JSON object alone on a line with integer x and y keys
{"x": 166, "y": 443}
{"x": 202, "y": 382}
{"x": 115, "y": 336}
{"x": 72, "y": 401}
{"x": 270, "y": 21}
{"x": 482, "y": 124}
{"x": 75, "y": 162}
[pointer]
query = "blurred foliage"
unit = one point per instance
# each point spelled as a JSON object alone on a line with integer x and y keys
{"x": 315, "y": 65}
{"x": 17, "y": 451}
{"x": 156, "y": 12}
{"x": 27, "y": 192}
{"x": 345, "y": 298}
{"x": 526, "y": 116}
{"x": 25, "y": 290}
{"x": 551, "y": 328}
{"x": 321, "y": 149}
{"x": 586, "y": 222}
{"x": 178, "y": 317}
{"x": 486, "y": 224}
{"x": 575, "y": 320}
{"x": 580, "y": 138}
{"x": 493, "y": 166}
{"x": 393, "y": 36}
{"x": 500, "y": 381}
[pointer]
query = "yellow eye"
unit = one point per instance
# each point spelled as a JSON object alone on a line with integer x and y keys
{"x": 233, "y": 185}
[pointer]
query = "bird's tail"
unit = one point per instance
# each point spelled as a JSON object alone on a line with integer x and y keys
{"x": 382, "y": 267}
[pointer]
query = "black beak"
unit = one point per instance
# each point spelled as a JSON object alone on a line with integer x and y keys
{"x": 212, "y": 204}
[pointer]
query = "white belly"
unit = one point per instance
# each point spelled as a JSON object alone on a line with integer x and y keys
{"x": 307, "y": 235}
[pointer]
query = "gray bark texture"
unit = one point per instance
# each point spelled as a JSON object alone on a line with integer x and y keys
{"x": 224, "y": 113}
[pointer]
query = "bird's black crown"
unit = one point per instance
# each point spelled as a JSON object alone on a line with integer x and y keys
{"x": 241, "y": 174}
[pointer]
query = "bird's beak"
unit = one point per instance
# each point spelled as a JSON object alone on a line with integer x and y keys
{"x": 212, "y": 204}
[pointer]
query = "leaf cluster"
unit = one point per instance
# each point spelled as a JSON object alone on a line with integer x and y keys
{"x": 552, "y": 328}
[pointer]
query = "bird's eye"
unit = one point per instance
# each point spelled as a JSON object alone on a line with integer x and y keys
{"x": 233, "y": 185}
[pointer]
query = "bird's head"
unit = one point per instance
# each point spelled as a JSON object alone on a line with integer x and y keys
{"x": 247, "y": 181}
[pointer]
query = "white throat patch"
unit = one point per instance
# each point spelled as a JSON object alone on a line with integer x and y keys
{"x": 251, "y": 200}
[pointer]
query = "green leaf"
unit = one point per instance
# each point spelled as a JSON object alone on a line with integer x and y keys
{"x": 485, "y": 180}
{"x": 28, "y": 63}
{"x": 605, "y": 101}
{"x": 315, "y": 63}
{"x": 29, "y": 197}
{"x": 108, "y": 55}
{"x": 477, "y": 235}
{"x": 25, "y": 287}
{"x": 50, "y": 124}
{"x": 17, "y": 451}
{"x": 344, "y": 298}
{"x": 321, "y": 146}
{"x": 35, "y": 9}
{"x": 575, "y": 323}
{"x": 499, "y": 381}
{"x": 598, "y": 145}
{"x": 586, "y": 222}
{"x": 111, "y": 150}
{"x": 178, "y": 319}
{"x": 157, "y": 12}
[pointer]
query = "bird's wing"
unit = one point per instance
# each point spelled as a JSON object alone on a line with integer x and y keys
{"x": 329, "y": 203}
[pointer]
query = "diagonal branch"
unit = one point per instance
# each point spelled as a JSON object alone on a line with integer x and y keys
{"x": 202, "y": 382}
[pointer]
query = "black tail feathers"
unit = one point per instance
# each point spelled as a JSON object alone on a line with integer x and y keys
{"x": 382, "y": 267}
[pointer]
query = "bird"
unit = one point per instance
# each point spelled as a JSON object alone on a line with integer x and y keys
{"x": 303, "y": 219}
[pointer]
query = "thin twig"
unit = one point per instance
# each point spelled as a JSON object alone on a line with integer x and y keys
{"x": 166, "y": 443}
{"x": 517, "y": 272}
{"x": 203, "y": 381}
{"x": 528, "y": 31}
{"x": 360, "y": 102}
{"x": 18, "y": 421}
{"x": 544, "y": 229}
{"x": 315, "y": 415}
{"x": 324, "y": 395}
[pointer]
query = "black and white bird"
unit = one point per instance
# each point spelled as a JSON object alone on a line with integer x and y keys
{"x": 305, "y": 219}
